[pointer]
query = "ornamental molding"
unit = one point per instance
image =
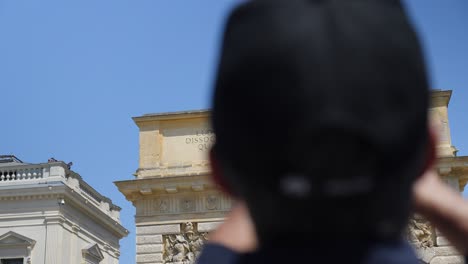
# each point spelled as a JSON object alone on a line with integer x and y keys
{"x": 454, "y": 167}
{"x": 70, "y": 197}
{"x": 13, "y": 239}
{"x": 440, "y": 98}
{"x": 174, "y": 198}
{"x": 175, "y": 170}
{"x": 182, "y": 204}
{"x": 94, "y": 212}
{"x": 20, "y": 197}
{"x": 93, "y": 254}
{"x": 154, "y": 187}
{"x": 171, "y": 116}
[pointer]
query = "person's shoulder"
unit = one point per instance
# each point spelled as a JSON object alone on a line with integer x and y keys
{"x": 217, "y": 254}
{"x": 370, "y": 253}
{"x": 391, "y": 253}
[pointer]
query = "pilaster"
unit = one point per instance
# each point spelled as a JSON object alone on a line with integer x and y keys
{"x": 54, "y": 235}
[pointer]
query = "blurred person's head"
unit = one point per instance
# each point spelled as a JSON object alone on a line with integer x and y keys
{"x": 320, "y": 116}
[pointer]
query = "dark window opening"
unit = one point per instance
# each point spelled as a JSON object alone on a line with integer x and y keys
{"x": 12, "y": 261}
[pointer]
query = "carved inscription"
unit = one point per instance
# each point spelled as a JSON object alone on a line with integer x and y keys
{"x": 202, "y": 139}
{"x": 183, "y": 248}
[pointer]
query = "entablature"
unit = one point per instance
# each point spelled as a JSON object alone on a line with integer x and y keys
{"x": 454, "y": 167}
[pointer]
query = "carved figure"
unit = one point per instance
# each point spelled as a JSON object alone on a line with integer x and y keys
{"x": 183, "y": 248}
{"x": 420, "y": 234}
{"x": 180, "y": 252}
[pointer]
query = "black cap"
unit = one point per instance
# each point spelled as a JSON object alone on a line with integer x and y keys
{"x": 321, "y": 102}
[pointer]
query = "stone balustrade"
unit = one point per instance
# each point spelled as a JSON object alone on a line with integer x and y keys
{"x": 20, "y": 173}
{"x": 23, "y": 172}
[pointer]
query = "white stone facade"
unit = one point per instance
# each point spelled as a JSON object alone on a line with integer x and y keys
{"x": 49, "y": 215}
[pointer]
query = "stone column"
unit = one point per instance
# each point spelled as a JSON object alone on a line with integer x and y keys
{"x": 75, "y": 254}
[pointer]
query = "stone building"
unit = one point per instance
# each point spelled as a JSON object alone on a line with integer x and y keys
{"x": 50, "y": 215}
{"x": 430, "y": 245}
{"x": 176, "y": 204}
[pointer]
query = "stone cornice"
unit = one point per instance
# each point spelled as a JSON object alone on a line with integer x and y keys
{"x": 454, "y": 166}
{"x": 200, "y": 168}
{"x": 33, "y": 192}
{"x": 165, "y": 185}
{"x": 58, "y": 191}
{"x": 97, "y": 214}
{"x": 171, "y": 116}
{"x": 91, "y": 191}
{"x": 440, "y": 98}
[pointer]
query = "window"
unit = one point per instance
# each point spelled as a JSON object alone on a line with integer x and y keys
{"x": 12, "y": 261}
{"x": 92, "y": 254}
{"x": 15, "y": 248}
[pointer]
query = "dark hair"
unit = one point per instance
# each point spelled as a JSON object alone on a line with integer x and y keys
{"x": 322, "y": 106}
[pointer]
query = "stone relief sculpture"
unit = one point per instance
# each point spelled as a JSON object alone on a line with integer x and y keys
{"x": 212, "y": 202}
{"x": 420, "y": 234}
{"x": 162, "y": 205}
{"x": 187, "y": 204}
{"x": 183, "y": 248}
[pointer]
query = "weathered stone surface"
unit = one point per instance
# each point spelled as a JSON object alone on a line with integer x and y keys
{"x": 447, "y": 260}
{"x": 426, "y": 254}
{"x": 174, "y": 143}
{"x": 442, "y": 241}
{"x": 156, "y": 248}
{"x": 158, "y": 229}
{"x": 149, "y": 258}
{"x": 446, "y": 251}
{"x": 151, "y": 239}
{"x": 207, "y": 227}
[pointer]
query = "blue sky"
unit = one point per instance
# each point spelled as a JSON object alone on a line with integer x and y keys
{"x": 73, "y": 73}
